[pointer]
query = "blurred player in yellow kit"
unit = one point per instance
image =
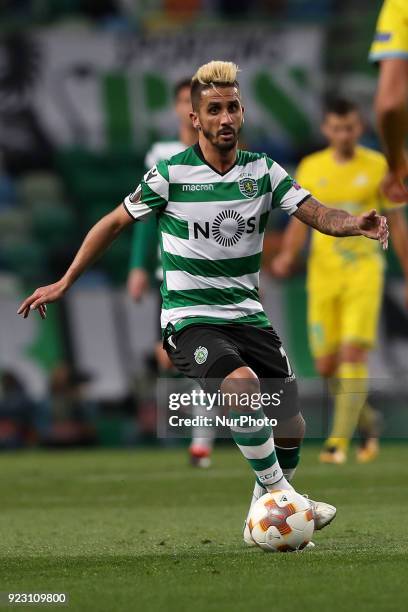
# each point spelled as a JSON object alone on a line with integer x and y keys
{"x": 345, "y": 278}
{"x": 390, "y": 50}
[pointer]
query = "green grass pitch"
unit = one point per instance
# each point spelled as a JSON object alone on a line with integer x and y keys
{"x": 141, "y": 530}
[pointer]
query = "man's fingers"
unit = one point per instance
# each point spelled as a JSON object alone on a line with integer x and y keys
{"x": 42, "y": 309}
{"x": 383, "y": 226}
{"x": 38, "y": 302}
{"x": 372, "y": 214}
{"x": 383, "y": 233}
{"x": 33, "y": 303}
{"x": 25, "y": 304}
{"x": 384, "y": 242}
{"x": 379, "y": 229}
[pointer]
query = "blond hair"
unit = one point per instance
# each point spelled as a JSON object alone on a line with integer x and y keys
{"x": 216, "y": 72}
{"x": 210, "y": 75}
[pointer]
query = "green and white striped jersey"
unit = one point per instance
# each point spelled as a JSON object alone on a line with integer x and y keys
{"x": 211, "y": 229}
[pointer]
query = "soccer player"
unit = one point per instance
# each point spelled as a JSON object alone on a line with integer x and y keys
{"x": 145, "y": 260}
{"x": 212, "y": 202}
{"x": 390, "y": 49}
{"x": 345, "y": 277}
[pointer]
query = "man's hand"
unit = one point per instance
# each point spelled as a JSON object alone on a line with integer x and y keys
{"x": 41, "y": 297}
{"x": 281, "y": 265}
{"x": 137, "y": 283}
{"x": 373, "y": 226}
{"x": 162, "y": 358}
{"x": 394, "y": 185}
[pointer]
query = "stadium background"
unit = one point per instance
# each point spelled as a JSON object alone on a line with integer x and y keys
{"x": 85, "y": 88}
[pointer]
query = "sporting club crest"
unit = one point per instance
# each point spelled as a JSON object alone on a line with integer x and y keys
{"x": 248, "y": 187}
{"x": 201, "y": 354}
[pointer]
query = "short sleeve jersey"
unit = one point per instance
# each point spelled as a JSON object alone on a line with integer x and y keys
{"x": 145, "y": 243}
{"x": 211, "y": 229}
{"x": 391, "y": 36}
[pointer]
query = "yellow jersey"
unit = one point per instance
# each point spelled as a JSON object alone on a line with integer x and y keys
{"x": 391, "y": 36}
{"x": 353, "y": 186}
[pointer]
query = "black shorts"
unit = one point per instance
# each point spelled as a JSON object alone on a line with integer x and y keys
{"x": 208, "y": 353}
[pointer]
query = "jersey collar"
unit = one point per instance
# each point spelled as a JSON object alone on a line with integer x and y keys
{"x": 197, "y": 150}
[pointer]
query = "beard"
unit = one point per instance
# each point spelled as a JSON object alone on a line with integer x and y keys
{"x": 220, "y": 144}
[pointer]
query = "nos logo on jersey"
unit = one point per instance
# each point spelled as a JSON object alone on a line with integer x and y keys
{"x": 248, "y": 187}
{"x": 227, "y": 228}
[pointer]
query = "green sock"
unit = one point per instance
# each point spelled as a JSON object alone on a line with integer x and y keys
{"x": 288, "y": 460}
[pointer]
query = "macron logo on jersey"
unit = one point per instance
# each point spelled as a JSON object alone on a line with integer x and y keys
{"x": 198, "y": 187}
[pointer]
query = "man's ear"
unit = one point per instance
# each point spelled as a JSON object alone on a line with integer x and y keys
{"x": 195, "y": 120}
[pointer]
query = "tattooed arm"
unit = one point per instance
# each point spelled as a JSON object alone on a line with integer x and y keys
{"x": 335, "y": 222}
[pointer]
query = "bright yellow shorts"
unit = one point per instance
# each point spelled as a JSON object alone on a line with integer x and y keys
{"x": 344, "y": 306}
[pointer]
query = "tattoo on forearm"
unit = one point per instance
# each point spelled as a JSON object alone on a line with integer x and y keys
{"x": 331, "y": 221}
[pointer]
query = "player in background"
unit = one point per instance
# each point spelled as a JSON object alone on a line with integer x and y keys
{"x": 145, "y": 268}
{"x": 345, "y": 277}
{"x": 212, "y": 203}
{"x": 145, "y": 242}
{"x": 390, "y": 50}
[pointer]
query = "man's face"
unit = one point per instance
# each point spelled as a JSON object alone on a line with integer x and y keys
{"x": 183, "y": 105}
{"x": 220, "y": 116}
{"x": 343, "y": 131}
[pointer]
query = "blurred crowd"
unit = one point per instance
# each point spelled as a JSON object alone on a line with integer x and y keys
{"x": 131, "y": 13}
{"x": 65, "y": 417}
{"x": 61, "y": 418}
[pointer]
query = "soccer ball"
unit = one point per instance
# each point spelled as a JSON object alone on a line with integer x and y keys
{"x": 281, "y": 521}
